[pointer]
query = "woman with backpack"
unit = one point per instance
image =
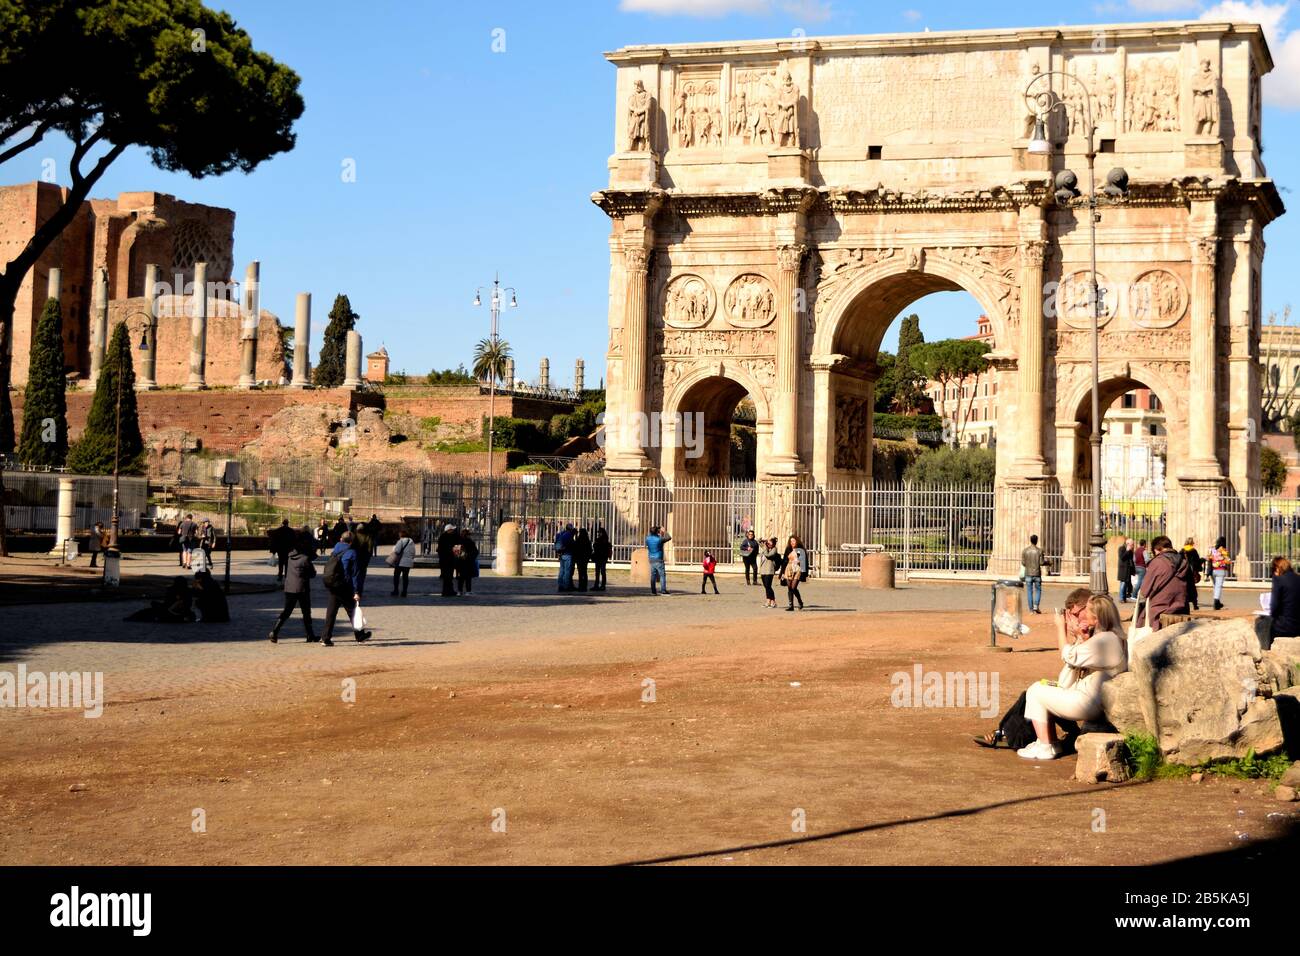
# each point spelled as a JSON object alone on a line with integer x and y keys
{"x": 1220, "y": 563}
{"x": 401, "y": 559}
{"x": 795, "y": 570}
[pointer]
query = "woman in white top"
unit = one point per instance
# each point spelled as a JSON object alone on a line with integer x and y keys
{"x": 1093, "y": 648}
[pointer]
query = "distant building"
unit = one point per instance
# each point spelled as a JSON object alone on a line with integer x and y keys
{"x": 377, "y": 365}
{"x": 972, "y": 407}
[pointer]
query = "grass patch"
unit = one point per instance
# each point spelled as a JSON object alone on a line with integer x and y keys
{"x": 1147, "y": 762}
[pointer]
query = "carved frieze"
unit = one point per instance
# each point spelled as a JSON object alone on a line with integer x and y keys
{"x": 719, "y": 342}
{"x": 697, "y": 110}
{"x": 839, "y": 266}
{"x": 764, "y": 108}
{"x": 688, "y": 303}
{"x": 1151, "y": 94}
{"x": 851, "y": 444}
{"x": 996, "y": 267}
{"x": 750, "y": 301}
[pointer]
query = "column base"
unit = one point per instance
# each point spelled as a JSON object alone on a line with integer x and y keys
{"x": 785, "y": 469}
{"x": 787, "y": 164}
{"x": 1200, "y": 471}
{"x": 300, "y": 385}
{"x": 630, "y": 169}
{"x": 1029, "y": 469}
{"x": 146, "y": 386}
{"x": 1203, "y": 152}
{"x": 353, "y": 383}
{"x": 195, "y": 387}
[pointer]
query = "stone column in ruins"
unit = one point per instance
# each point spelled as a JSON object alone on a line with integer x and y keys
{"x": 352, "y": 378}
{"x": 789, "y": 346}
{"x": 510, "y": 373}
{"x": 99, "y": 325}
{"x": 248, "y": 326}
{"x": 54, "y": 285}
{"x": 148, "y": 379}
{"x": 544, "y": 374}
{"x": 301, "y": 341}
{"x": 1029, "y": 460}
{"x": 579, "y": 368}
{"x": 199, "y": 330}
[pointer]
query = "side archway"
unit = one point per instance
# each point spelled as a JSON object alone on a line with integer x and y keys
{"x": 697, "y": 416}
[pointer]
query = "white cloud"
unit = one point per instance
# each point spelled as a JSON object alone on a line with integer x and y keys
{"x": 811, "y": 11}
{"x": 912, "y": 15}
{"x": 1282, "y": 86}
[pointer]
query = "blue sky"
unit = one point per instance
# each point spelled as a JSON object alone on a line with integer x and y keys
{"x": 470, "y": 161}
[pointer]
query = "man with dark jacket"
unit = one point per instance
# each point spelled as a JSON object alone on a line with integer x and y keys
{"x": 749, "y": 555}
{"x": 1284, "y": 603}
{"x": 297, "y": 586}
{"x": 1164, "y": 589}
{"x": 363, "y": 545}
{"x": 344, "y": 588}
{"x": 446, "y": 548}
{"x": 282, "y": 542}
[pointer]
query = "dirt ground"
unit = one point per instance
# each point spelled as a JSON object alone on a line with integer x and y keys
{"x": 752, "y": 727}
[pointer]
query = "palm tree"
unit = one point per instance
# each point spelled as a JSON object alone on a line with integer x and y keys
{"x": 490, "y": 359}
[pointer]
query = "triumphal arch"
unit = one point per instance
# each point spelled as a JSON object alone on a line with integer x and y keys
{"x": 776, "y": 204}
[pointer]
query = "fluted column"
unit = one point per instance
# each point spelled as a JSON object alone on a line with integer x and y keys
{"x": 248, "y": 328}
{"x": 301, "y": 341}
{"x": 579, "y": 369}
{"x": 99, "y": 325}
{"x": 148, "y": 379}
{"x": 1029, "y": 460}
{"x": 789, "y": 355}
{"x": 1202, "y": 401}
{"x": 199, "y": 330}
{"x": 635, "y": 331}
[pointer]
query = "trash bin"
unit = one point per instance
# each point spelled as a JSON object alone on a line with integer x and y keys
{"x": 1007, "y": 612}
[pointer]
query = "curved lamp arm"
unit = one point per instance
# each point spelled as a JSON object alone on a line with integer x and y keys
{"x": 1043, "y": 102}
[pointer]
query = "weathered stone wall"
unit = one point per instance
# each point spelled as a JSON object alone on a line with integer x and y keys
{"x": 465, "y": 405}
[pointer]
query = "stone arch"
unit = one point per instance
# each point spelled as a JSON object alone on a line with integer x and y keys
{"x": 712, "y": 388}
{"x": 852, "y": 324}
{"x": 896, "y": 286}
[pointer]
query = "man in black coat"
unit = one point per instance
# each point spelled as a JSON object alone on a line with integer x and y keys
{"x": 297, "y": 586}
{"x": 446, "y": 548}
{"x": 282, "y": 542}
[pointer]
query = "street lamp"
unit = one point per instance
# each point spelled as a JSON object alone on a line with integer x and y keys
{"x": 1043, "y": 102}
{"x": 495, "y": 306}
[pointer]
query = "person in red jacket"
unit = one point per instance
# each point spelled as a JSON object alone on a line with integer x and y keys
{"x": 709, "y": 565}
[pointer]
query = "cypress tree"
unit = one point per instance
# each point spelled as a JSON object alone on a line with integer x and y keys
{"x": 331, "y": 369}
{"x": 92, "y": 454}
{"x": 907, "y": 380}
{"x": 44, "y": 438}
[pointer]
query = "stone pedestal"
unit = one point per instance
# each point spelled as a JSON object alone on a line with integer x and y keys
{"x": 633, "y": 169}
{"x": 774, "y": 509}
{"x": 639, "y": 573}
{"x": 1102, "y": 759}
{"x": 1204, "y": 153}
{"x": 509, "y": 553}
{"x": 788, "y": 165}
{"x": 877, "y": 571}
{"x": 302, "y": 341}
{"x": 199, "y": 330}
{"x": 352, "y": 373}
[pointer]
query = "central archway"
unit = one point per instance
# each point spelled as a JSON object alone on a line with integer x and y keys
{"x": 854, "y": 314}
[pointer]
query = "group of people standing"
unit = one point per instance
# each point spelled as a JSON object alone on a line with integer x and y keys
{"x": 763, "y": 561}
{"x": 457, "y": 561}
{"x": 577, "y": 551}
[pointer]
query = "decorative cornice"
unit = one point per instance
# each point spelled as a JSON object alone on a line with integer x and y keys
{"x": 1261, "y": 195}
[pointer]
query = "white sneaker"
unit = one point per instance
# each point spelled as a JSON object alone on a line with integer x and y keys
{"x": 1038, "y": 751}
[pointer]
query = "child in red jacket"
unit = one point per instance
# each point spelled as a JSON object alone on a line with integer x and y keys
{"x": 709, "y": 565}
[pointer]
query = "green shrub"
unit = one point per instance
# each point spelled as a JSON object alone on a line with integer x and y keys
{"x": 431, "y": 423}
{"x": 949, "y": 466}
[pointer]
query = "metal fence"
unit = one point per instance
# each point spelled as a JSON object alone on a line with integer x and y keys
{"x": 32, "y": 501}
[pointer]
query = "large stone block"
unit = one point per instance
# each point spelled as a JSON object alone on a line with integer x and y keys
{"x": 1122, "y": 704}
{"x": 1197, "y": 686}
{"x": 1103, "y": 758}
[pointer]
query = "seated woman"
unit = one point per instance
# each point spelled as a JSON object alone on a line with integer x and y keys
{"x": 209, "y": 601}
{"x": 1284, "y": 600}
{"x": 1014, "y": 729}
{"x": 1093, "y": 648}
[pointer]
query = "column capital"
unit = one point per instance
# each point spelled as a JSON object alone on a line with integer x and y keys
{"x": 1205, "y": 250}
{"x": 1033, "y": 251}
{"x": 790, "y": 257}
{"x": 635, "y": 258}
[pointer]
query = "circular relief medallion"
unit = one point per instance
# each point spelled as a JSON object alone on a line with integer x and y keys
{"x": 750, "y": 301}
{"x": 1157, "y": 300}
{"x": 688, "y": 302}
{"x": 1073, "y": 300}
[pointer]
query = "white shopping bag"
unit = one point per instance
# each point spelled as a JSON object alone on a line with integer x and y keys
{"x": 358, "y": 619}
